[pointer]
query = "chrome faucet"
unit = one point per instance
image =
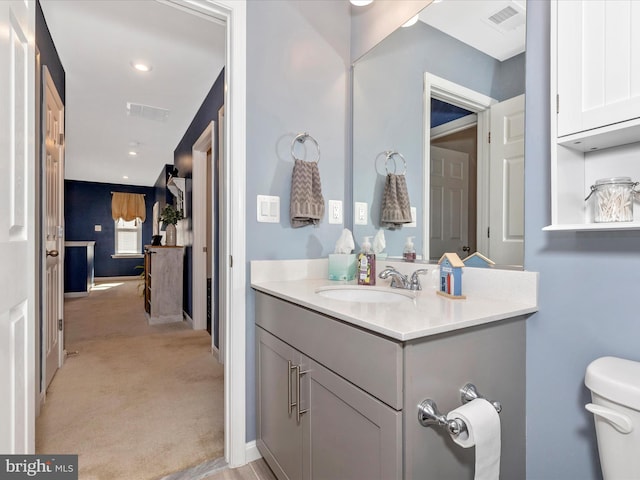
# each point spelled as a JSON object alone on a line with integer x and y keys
{"x": 398, "y": 280}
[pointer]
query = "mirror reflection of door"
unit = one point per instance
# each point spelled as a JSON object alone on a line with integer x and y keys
{"x": 449, "y": 230}
{"x": 454, "y": 194}
{"x": 453, "y": 180}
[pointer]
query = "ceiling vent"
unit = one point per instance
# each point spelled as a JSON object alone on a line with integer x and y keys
{"x": 148, "y": 112}
{"x": 508, "y": 18}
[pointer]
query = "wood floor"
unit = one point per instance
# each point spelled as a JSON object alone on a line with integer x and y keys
{"x": 257, "y": 470}
{"x": 218, "y": 470}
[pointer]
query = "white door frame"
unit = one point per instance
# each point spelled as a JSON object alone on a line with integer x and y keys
{"x": 200, "y": 148}
{"x": 233, "y": 251}
{"x": 450, "y": 92}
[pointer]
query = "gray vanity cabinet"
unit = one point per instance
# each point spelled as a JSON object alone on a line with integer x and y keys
{"x": 361, "y": 390}
{"x": 343, "y": 431}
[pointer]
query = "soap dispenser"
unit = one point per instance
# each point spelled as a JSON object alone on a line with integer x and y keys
{"x": 366, "y": 264}
{"x": 409, "y": 252}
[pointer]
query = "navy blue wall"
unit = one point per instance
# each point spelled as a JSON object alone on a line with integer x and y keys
{"x": 48, "y": 53}
{"x": 88, "y": 204}
{"x": 182, "y": 156}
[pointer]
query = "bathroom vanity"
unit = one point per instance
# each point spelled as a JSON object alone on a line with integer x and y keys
{"x": 338, "y": 381}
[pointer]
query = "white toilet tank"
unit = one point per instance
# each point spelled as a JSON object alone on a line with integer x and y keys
{"x": 615, "y": 393}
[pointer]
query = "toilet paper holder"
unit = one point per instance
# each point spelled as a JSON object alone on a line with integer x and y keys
{"x": 428, "y": 414}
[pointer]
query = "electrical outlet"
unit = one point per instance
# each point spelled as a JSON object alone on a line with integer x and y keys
{"x": 360, "y": 214}
{"x": 335, "y": 211}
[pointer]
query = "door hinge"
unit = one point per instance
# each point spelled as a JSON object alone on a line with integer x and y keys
{"x": 557, "y": 103}
{"x": 60, "y": 324}
{"x": 61, "y": 139}
{"x": 488, "y": 232}
{"x": 230, "y": 261}
{"x": 204, "y": 249}
{"x": 489, "y": 137}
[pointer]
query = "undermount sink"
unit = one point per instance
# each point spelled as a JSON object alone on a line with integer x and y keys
{"x": 358, "y": 293}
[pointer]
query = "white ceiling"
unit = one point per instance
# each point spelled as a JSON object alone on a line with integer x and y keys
{"x": 468, "y": 21}
{"x": 96, "y": 41}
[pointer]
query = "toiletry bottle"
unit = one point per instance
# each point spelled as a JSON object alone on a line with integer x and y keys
{"x": 409, "y": 252}
{"x": 366, "y": 264}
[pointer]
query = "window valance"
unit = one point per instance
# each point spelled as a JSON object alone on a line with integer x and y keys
{"x": 128, "y": 206}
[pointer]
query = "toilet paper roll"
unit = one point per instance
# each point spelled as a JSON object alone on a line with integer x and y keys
{"x": 483, "y": 432}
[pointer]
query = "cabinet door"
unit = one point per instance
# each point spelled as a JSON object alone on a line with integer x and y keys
{"x": 280, "y": 437}
{"x": 352, "y": 434}
{"x": 598, "y": 63}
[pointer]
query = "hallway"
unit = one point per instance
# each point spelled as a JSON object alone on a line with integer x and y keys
{"x": 136, "y": 401}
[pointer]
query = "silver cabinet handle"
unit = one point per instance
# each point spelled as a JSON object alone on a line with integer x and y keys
{"x": 290, "y": 404}
{"x": 299, "y": 412}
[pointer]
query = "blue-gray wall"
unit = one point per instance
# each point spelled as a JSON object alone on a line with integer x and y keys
{"x": 297, "y": 81}
{"x": 388, "y": 109}
{"x": 87, "y": 204}
{"x": 583, "y": 313}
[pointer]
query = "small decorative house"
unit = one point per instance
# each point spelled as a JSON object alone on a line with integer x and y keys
{"x": 478, "y": 260}
{"x": 450, "y": 276}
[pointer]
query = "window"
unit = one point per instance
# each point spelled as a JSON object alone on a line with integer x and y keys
{"x": 128, "y": 237}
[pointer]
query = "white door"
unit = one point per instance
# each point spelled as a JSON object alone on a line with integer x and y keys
{"x": 53, "y": 229}
{"x": 506, "y": 183}
{"x": 17, "y": 233}
{"x": 449, "y": 220}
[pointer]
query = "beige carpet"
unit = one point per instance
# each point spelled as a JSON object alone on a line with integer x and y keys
{"x": 136, "y": 402}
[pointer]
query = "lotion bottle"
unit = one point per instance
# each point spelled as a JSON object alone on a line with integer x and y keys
{"x": 409, "y": 252}
{"x": 366, "y": 264}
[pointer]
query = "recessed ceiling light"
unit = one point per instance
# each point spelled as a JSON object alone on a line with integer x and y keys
{"x": 141, "y": 66}
{"x": 125, "y": 177}
{"x": 133, "y": 153}
{"x": 360, "y": 3}
{"x": 412, "y": 21}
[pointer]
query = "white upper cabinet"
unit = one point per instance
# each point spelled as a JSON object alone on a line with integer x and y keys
{"x": 598, "y": 64}
{"x": 595, "y": 106}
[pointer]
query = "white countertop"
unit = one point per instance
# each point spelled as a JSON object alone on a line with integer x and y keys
{"x": 492, "y": 295}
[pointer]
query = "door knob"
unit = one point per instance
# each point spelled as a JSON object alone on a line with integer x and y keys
{"x": 52, "y": 253}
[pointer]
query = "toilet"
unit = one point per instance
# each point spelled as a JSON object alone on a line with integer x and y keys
{"x": 615, "y": 395}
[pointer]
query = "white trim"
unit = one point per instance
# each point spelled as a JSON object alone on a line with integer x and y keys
{"x": 187, "y": 318}
{"x": 75, "y": 294}
{"x": 198, "y": 214}
{"x": 251, "y": 452}
{"x": 450, "y": 92}
{"x": 454, "y": 126}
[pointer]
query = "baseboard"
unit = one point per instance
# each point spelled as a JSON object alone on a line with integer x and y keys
{"x": 117, "y": 279}
{"x": 251, "y": 452}
{"x": 187, "y": 319}
{"x": 75, "y": 294}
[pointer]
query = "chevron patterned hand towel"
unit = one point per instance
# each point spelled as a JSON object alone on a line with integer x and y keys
{"x": 396, "y": 207}
{"x": 307, "y": 203}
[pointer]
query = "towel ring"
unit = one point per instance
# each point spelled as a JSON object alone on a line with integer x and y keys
{"x": 390, "y": 154}
{"x": 301, "y": 138}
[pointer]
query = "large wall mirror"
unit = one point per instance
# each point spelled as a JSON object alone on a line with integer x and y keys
{"x": 435, "y": 92}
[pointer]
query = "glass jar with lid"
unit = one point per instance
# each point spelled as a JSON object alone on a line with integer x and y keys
{"x": 612, "y": 199}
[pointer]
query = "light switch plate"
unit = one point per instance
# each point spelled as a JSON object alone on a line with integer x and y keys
{"x": 335, "y": 211}
{"x": 414, "y": 216}
{"x": 360, "y": 213}
{"x": 97, "y": 228}
{"x": 268, "y": 208}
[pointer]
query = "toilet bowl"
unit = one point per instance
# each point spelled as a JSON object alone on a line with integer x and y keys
{"x": 615, "y": 394}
